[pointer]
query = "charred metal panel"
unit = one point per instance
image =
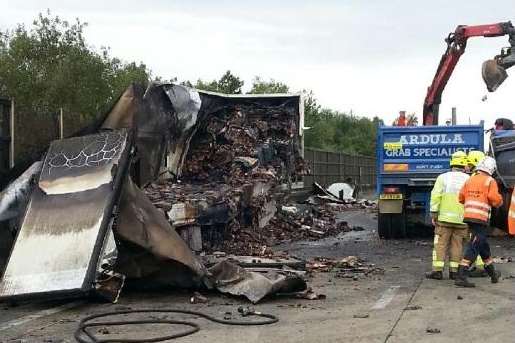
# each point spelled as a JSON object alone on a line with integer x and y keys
{"x": 149, "y": 248}
{"x": 186, "y": 104}
{"x": 228, "y": 277}
{"x": 63, "y": 229}
{"x": 163, "y": 117}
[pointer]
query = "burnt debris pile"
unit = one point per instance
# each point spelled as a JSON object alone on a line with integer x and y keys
{"x": 242, "y": 160}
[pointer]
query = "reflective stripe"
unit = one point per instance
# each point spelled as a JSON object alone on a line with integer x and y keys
{"x": 479, "y": 261}
{"x": 439, "y": 264}
{"x": 452, "y": 215}
{"x": 511, "y": 213}
{"x": 453, "y": 264}
{"x": 475, "y": 210}
{"x": 488, "y": 181}
{"x": 477, "y": 204}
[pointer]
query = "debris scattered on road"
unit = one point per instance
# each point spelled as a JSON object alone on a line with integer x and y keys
{"x": 324, "y": 196}
{"x": 361, "y": 315}
{"x": 309, "y": 294}
{"x": 215, "y": 217}
{"x": 433, "y": 330}
{"x": 104, "y": 331}
{"x": 277, "y": 261}
{"x": 459, "y": 297}
{"x": 503, "y": 259}
{"x": 228, "y": 277}
{"x": 198, "y": 298}
{"x": 349, "y": 267}
{"x": 343, "y": 190}
{"x": 413, "y": 308}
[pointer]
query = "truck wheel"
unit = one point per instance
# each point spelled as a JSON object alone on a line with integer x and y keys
{"x": 384, "y": 226}
{"x": 398, "y": 225}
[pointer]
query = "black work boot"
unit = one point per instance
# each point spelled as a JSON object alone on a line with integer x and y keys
{"x": 453, "y": 275}
{"x": 478, "y": 272}
{"x": 461, "y": 278}
{"x": 494, "y": 274}
{"x": 435, "y": 274}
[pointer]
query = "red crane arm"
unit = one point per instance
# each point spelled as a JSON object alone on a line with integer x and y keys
{"x": 456, "y": 43}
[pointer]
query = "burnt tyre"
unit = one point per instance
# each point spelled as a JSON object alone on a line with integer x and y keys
{"x": 398, "y": 225}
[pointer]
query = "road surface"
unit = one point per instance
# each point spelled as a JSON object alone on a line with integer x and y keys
{"x": 397, "y": 306}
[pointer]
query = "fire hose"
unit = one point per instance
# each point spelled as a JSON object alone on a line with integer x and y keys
{"x": 83, "y": 332}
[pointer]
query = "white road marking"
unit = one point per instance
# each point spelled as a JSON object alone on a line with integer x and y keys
{"x": 386, "y": 298}
{"x": 48, "y": 312}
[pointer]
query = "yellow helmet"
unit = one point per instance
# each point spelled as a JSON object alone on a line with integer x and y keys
{"x": 474, "y": 157}
{"x": 459, "y": 159}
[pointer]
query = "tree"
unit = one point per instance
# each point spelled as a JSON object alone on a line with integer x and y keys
{"x": 260, "y": 86}
{"x": 50, "y": 66}
{"x": 311, "y": 108}
{"x": 337, "y": 131}
{"x": 228, "y": 84}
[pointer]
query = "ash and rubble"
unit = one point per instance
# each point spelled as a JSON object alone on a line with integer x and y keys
{"x": 238, "y": 220}
{"x": 233, "y": 191}
{"x": 216, "y": 171}
{"x": 350, "y": 267}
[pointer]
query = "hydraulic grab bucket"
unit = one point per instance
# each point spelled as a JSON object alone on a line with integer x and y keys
{"x": 494, "y": 70}
{"x": 493, "y": 74}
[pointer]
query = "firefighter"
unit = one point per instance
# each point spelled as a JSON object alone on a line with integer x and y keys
{"x": 511, "y": 214}
{"x": 401, "y": 120}
{"x": 474, "y": 157}
{"x": 479, "y": 194}
{"x": 447, "y": 217}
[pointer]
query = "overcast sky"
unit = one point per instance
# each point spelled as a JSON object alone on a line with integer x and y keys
{"x": 371, "y": 57}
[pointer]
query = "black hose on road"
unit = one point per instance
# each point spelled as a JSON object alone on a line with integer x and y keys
{"x": 83, "y": 335}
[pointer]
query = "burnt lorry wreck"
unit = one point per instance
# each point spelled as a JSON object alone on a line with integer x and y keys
{"x": 171, "y": 173}
{"x": 243, "y": 157}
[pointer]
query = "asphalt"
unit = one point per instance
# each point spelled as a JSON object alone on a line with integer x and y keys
{"x": 397, "y": 306}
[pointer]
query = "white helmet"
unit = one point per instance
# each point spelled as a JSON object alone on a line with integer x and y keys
{"x": 488, "y": 165}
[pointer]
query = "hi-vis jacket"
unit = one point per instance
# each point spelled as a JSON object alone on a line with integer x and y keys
{"x": 479, "y": 194}
{"x": 511, "y": 214}
{"x": 444, "y": 197}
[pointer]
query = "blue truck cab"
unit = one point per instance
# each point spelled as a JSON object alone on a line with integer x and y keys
{"x": 409, "y": 159}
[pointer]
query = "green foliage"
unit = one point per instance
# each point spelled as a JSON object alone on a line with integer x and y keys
{"x": 336, "y": 131}
{"x": 228, "y": 84}
{"x": 50, "y": 66}
{"x": 260, "y": 86}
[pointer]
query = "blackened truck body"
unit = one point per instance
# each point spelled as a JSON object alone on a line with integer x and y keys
{"x": 409, "y": 159}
